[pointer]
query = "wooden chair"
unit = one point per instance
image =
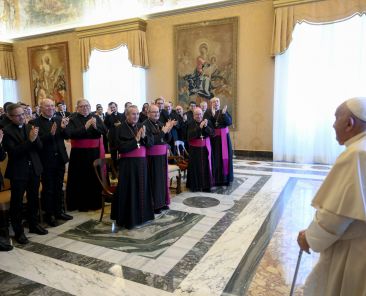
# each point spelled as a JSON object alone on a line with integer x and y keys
{"x": 102, "y": 167}
{"x": 176, "y": 166}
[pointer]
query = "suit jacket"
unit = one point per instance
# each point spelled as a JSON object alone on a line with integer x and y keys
{"x": 52, "y": 145}
{"x": 20, "y": 152}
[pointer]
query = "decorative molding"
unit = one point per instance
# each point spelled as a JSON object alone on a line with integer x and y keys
{"x": 5, "y": 46}
{"x": 112, "y": 27}
{"x": 255, "y": 155}
{"x": 281, "y": 3}
{"x": 198, "y": 8}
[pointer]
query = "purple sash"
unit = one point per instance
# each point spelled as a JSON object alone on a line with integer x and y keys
{"x": 138, "y": 152}
{"x": 159, "y": 150}
{"x": 205, "y": 142}
{"x": 222, "y": 132}
{"x": 89, "y": 143}
{"x": 156, "y": 150}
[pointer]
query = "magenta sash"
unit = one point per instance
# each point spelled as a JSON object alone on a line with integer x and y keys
{"x": 222, "y": 132}
{"x": 138, "y": 152}
{"x": 205, "y": 142}
{"x": 89, "y": 143}
{"x": 156, "y": 150}
{"x": 159, "y": 150}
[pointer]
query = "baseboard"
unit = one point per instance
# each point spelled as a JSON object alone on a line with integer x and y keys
{"x": 257, "y": 155}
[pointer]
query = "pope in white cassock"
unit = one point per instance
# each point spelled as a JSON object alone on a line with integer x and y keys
{"x": 338, "y": 230}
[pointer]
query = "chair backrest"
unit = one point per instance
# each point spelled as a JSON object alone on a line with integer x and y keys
{"x": 101, "y": 168}
{"x": 3, "y": 165}
{"x": 180, "y": 146}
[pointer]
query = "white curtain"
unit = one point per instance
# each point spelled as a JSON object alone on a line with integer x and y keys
{"x": 111, "y": 77}
{"x": 8, "y": 91}
{"x": 324, "y": 65}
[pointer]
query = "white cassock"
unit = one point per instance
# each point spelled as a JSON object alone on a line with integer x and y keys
{"x": 338, "y": 230}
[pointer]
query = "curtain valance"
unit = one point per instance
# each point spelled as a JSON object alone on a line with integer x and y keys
{"x": 7, "y": 65}
{"x": 131, "y": 33}
{"x": 322, "y": 11}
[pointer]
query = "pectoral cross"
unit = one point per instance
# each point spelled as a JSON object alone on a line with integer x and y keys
{"x": 201, "y": 138}
{"x": 138, "y": 145}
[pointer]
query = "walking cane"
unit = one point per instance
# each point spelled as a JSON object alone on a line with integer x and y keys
{"x": 296, "y": 271}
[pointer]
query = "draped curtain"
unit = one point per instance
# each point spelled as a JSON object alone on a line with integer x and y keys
{"x": 326, "y": 11}
{"x": 7, "y": 65}
{"x": 130, "y": 33}
{"x": 324, "y": 65}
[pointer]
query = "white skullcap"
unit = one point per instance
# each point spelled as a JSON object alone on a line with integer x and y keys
{"x": 358, "y": 107}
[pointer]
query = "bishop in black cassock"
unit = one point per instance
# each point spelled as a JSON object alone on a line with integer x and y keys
{"x": 222, "y": 152}
{"x": 132, "y": 204}
{"x": 199, "y": 176}
{"x": 83, "y": 191}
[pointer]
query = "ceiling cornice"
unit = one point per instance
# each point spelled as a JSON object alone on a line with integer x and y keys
{"x": 282, "y": 3}
{"x": 198, "y": 8}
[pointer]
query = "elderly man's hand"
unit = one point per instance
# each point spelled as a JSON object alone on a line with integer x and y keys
{"x": 303, "y": 244}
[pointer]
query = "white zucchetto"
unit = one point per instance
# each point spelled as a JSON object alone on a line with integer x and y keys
{"x": 358, "y": 107}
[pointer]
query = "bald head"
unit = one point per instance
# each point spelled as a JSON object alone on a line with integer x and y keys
{"x": 350, "y": 119}
{"x": 47, "y": 107}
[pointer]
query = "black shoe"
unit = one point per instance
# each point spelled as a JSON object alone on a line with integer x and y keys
{"x": 64, "y": 216}
{"x": 5, "y": 245}
{"x": 51, "y": 221}
{"x": 165, "y": 208}
{"x": 158, "y": 211}
{"x": 38, "y": 229}
{"x": 21, "y": 239}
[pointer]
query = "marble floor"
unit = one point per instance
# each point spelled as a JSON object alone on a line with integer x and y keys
{"x": 239, "y": 240}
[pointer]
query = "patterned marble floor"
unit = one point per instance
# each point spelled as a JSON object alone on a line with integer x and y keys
{"x": 239, "y": 240}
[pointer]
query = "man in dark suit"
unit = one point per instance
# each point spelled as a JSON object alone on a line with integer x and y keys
{"x": 24, "y": 168}
{"x": 4, "y": 118}
{"x": 53, "y": 157}
{"x": 62, "y": 110}
{"x": 112, "y": 120}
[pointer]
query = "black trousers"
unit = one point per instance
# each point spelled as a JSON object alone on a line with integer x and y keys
{"x": 52, "y": 194}
{"x": 18, "y": 188}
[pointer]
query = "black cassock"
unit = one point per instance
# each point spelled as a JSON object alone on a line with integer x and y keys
{"x": 221, "y": 121}
{"x": 132, "y": 204}
{"x": 83, "y": 190}
{"x": 158, "y": 165}
{"x": 199, "y": 176}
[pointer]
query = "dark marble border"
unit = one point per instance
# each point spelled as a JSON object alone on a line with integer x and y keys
{"x": 280, "y": 170}
{"x": 177, "y": 274}
{"x": 253, "y": 155}
{"x": 242, "y": 276}
{"x": 11, "y": 284}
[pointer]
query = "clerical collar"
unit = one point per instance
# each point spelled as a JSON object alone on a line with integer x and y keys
{"x": 354, "y": 139}
{"x": 20, "y": 126}
{"x": 49, "y": 119}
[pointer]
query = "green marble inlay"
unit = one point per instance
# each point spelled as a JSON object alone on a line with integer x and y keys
{"x": 150, "y": 241}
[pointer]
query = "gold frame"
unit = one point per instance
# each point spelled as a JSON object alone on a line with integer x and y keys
{"x": 49, "y": 73}
{"x": 220, "y": 40}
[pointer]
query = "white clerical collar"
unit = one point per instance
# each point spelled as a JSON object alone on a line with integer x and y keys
{"x": 49, "y": 119}
{"x": 20, "y": 126}
{"x": 355, "y": 139}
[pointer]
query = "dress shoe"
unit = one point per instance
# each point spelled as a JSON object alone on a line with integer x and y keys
{"x": 51, "y": 221}
{"x": 157, "y": 211}
{"x": 5, "y": 244}
{"x": 21, "y": 239}
{"x": 64, "y": 216}
{"x": 38, "y": 229}
{"x": 165, "y": 208}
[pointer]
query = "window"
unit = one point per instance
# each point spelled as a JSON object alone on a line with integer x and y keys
{"x": 324, "y": 65}
{"x": 111, "y": 77}
{"x": 8, "y": 91}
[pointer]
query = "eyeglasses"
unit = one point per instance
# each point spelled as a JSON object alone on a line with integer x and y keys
{"x": 153, "y": 111}
{"x": 17, "y": 115}
{"x": 83, "y": 106}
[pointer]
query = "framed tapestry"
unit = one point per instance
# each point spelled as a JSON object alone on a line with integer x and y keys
{"x": 206, "y": 59}
{"x": 49, "y": 73}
